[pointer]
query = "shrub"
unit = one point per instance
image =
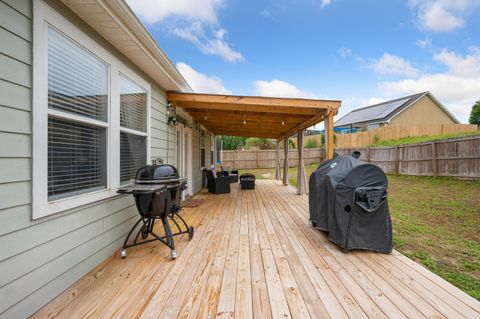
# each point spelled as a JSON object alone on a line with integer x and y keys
{"x": 259, "y": 143}
{"x": 311, "y": 143}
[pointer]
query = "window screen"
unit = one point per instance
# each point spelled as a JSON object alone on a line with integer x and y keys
{"x": 133, "y": 116}
{"x": 77, "y": 84}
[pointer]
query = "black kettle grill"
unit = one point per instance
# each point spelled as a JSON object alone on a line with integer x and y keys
{"x": 157, "y": 191}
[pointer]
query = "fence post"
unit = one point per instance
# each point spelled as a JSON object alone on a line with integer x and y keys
{"x": 434, "y": 159}
{"x": 257, "y": 159}
{"x": 368, "y": 154}
{"x": 397, "y": 160}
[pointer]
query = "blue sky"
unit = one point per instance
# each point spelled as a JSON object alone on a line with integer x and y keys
{"x": 360, "y": 52}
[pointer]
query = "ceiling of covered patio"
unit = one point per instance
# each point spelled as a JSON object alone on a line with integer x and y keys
{"x": 254, "y": 116}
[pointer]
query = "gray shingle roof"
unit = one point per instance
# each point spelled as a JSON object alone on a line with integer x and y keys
{"x": 378, "y": 112}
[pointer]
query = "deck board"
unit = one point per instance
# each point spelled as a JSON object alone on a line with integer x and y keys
{"x": 254, "y": 254}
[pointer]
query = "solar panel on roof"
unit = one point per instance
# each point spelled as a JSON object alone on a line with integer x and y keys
{"x": 371, "y": 113}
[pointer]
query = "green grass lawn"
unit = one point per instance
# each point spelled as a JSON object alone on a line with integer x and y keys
{"x": 420, "y": 139}
{"x": 436, "y": 222}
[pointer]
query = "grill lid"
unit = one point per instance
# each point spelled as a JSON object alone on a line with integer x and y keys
{"x": 151, "y": 173}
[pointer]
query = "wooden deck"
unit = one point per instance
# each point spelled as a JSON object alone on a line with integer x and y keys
{"x": 255, "y": 254}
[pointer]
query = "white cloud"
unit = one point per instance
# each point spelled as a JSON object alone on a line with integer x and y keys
{"x": 195, "y": 21}
{"x": 441, "y": 15}
{"x": 325, "y": 3}
{"x": 156, "y": 10}
{"x": 393, "y": 65}
{"x": 425, "y": 43}
{"x": 344, "y": 52}
{"x": 202, "y": 83}
{"x": 211, "y": 42}
{"x": 278, "y": 88}
{"x": 456, "y": 93}
{"x": 458, "y": 87}
{"x": 463, "y": 66}
{"x": 373, "y": 101}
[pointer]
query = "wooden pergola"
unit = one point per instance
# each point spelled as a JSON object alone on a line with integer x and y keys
{"x": 255, "y": 116}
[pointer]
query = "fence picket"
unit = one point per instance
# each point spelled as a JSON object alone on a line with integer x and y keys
{"x": 459, "y": 157}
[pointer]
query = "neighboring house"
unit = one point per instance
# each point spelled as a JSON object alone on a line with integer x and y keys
{"x": 421, "y": 108}
{"x": 82, "y": 106}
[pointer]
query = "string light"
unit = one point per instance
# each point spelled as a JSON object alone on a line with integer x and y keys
{"x": 244, "y": 120}
{"x": 206, "y": 115}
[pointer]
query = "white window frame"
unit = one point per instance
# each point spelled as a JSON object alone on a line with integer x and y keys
{"x": 146, "y": 134}
{"x": 43, "y": 18}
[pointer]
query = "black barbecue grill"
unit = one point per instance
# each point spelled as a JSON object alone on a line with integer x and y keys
{"x": 157, "y": 190}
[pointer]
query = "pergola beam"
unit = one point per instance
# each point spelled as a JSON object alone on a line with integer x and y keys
{"x": 258, "y": 101}
{"x": 220, "y": 112}
{"x": 253, "y": 116}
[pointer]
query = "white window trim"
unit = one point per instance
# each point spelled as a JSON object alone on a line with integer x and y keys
{"x": 41, "y": 207}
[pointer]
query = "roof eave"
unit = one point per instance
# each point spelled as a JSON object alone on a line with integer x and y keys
{"x": 142, "y": 50}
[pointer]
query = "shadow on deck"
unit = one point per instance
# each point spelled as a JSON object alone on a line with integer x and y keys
{"x": 254, "y": 253}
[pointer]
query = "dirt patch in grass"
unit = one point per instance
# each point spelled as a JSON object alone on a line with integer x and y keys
{"x": 436, "y": 222}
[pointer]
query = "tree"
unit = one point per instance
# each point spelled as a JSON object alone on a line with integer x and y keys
{"x": 322, "y": 140}
{"x": 230, "y": 143}
{"x": 259, "y": 143}
{"x": 475, "y": 113}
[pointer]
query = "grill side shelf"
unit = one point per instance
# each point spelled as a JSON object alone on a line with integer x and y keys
{"x": 141, "y": 188}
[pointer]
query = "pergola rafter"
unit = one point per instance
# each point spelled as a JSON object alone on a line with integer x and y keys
{"x": 257, "y": 116}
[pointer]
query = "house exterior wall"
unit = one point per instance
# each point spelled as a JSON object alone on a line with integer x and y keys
{"x": 424, "y": 111}
{"x": 41, "y": 258}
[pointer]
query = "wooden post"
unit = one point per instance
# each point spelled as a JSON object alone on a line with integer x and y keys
{"x": 257, "y": 159}
{"x": 434, "y": 159}
{"x": 397, "y": 160}
{"x": 329, "y": 135}
{"x": 277, "y": 155}
{"x": 301, "y": 178}
{"x": 285, "y": 162}
{"x": 234, "y": 157}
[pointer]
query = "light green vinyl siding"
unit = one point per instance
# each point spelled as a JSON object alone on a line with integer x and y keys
{"x": 40, "y": 259}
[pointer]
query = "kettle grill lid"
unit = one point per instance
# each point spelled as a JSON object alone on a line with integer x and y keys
{"x": 156, "y": 172}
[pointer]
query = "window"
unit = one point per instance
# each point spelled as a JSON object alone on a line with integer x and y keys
{"x": 91, "y": 119}
{"x": 77, "y": 118}
{"x": 133, "y": 128}
{"x": 202, "y": 150}
{"x": 212, "y": 150}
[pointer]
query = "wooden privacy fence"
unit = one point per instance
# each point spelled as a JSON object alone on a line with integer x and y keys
{"x": 395, "y": 132}
{"x": 266, "y": 158}
{"x": 458, "y": 157}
